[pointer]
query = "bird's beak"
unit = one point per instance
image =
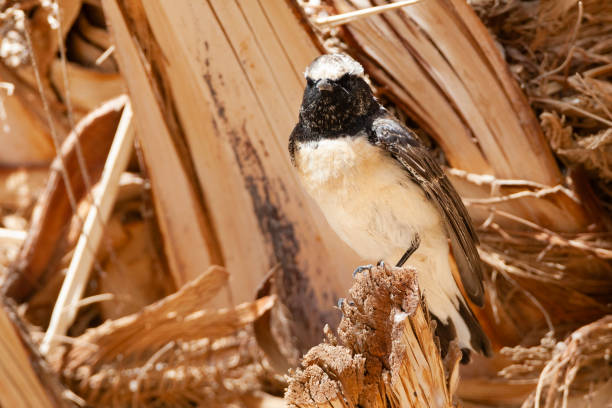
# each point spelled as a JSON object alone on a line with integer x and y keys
{"x": 324, "y": 85}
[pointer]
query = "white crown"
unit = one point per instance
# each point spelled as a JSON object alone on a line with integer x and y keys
{"x": 333, "y": 66}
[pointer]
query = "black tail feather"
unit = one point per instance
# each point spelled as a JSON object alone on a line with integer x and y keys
{"x": 478, "y": 339}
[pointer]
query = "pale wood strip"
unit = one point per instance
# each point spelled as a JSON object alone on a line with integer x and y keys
{"x": 77, "y": 276}
{"x": 186, "y": 237}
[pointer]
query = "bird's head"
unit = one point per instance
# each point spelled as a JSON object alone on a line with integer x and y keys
{"x": 336, "y": 98}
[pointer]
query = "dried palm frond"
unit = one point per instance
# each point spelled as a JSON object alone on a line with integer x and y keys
{"x": 532, "y": 270}
{"x": 563, "y": 60}
{"x": 172, "y": 352}
{"x": 564, "y": 371}
{"x": 179, "y": 374}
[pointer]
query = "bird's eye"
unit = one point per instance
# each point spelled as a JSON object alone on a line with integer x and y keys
{"x": 309, "y": 82}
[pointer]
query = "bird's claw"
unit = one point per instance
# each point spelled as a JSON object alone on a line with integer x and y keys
{"x": 340, "y": 303}
{"x": 362, "y": 268}
{"x": 381, "y": 264}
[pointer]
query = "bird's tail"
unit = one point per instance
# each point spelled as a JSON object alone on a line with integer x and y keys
{"x": 474, "y": 339}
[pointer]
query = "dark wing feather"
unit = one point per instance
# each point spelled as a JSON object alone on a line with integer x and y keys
{"x": 423, "y": 169}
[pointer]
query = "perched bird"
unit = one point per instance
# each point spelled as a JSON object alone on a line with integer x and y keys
{"x": 384, "y": 194}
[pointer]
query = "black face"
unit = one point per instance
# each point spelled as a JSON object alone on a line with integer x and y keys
{"x": 334, "y": 107}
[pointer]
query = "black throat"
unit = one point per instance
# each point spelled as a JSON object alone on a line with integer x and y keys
{"x": 340, "y": 107}
{"x": 333, "y": 109}
{"x": 328, "y": 120}
{"x": 305, "y": 132}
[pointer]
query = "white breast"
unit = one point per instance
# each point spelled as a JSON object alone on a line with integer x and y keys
{"x": 366, "y": 196}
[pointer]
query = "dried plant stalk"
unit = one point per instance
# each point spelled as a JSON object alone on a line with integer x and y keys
{"x": 577, "y": 368}
{"x": 172, "y": 352}
{"x": 24, "y": 135}
{"x": 88, "y": 88}
{"x": 162, "y": 322}
{"x": 38, "y": 256}
{"x": 77, "y": 276}
{"x": 226, "y": 372}
{"x": 560, "y": 52}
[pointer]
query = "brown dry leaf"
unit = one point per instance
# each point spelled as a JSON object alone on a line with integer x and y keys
{"x": 179, "y": 316}
{"x": 171, "y": 353}
{"x": 594, "y": 152}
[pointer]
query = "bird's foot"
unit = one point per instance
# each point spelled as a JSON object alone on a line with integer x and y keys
{"x": 381, "y": 264}
{"x": 362, "y": 268}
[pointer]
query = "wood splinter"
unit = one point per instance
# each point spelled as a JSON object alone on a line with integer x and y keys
{"x": 344, "y": 18}
{"x": 385, "y": 353}
{"x": 65, "y": 309}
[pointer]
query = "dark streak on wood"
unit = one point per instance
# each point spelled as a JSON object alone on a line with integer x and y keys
{"x": 295, "y": 289}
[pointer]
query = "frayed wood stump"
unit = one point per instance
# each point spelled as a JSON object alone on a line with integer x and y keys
{"x": 385, "y": 355}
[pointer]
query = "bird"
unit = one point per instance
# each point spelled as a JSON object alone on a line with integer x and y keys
{"x": 385, "y": 195}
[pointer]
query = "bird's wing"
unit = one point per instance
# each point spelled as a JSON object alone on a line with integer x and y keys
{"x": 404, "y": 146}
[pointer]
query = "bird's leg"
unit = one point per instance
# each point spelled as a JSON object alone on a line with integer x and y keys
{"x": 362, "y": 268}
{"x": 414, "y": 245}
